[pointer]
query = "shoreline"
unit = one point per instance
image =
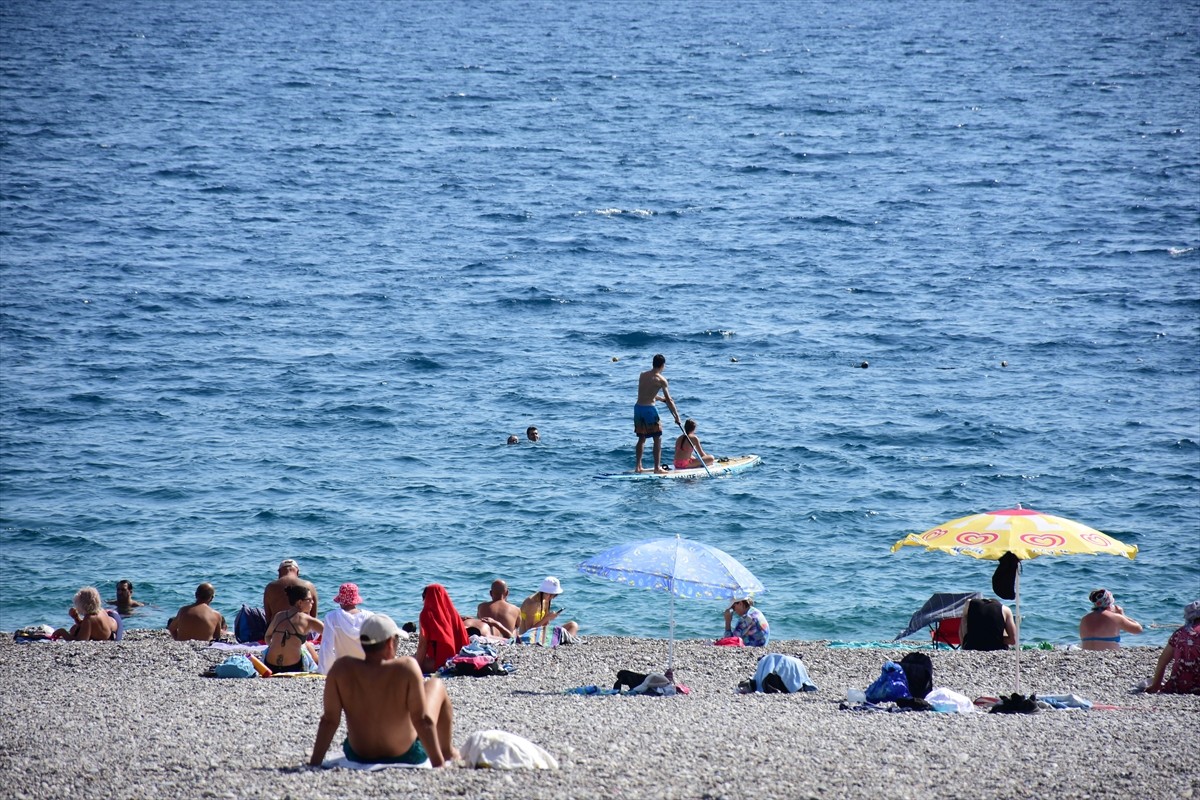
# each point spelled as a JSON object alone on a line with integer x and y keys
{"x": 134, "y": 719}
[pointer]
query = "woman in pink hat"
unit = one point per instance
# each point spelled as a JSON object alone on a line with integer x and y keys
{"x": 342, "y": 626}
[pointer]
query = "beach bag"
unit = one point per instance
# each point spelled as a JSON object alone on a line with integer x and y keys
{"x": 918, "y": 674}
{"x": 236, "y": 667}
{"x": 250, "y": 624}
{"x": 1004, "y": 579}
{"x": 889, "y": 686}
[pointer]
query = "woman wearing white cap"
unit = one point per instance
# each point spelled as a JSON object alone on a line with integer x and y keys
{"x": 536, "y": 611}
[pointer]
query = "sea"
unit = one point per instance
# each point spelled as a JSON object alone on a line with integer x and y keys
{"x": 278, "y": 280}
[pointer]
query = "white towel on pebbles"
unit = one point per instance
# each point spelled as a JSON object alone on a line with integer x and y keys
{"x": 345, "y": 763}
{"x": 503, "y": 750}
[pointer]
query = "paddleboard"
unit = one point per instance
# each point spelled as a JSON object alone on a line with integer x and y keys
{"x": 723, "y": 466}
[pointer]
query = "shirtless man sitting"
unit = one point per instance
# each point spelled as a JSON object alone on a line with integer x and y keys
{"x": 645, "y": 416}
{"x": 498, "y": 609}
{"x": 198, "y": 621}
{"x": 92, "y": 623}
{"x": 392, "y": 715}
{"x": 275, "y": 595}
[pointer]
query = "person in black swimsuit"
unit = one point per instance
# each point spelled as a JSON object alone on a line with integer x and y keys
{"x": 987, "y": 625}
{"x": 288, "y": 632}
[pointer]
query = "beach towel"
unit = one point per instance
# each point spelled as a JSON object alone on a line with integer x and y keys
{"x": 730, "y": 641}
{"x": 779, "y": 673}
{"x": 503, "y": 750}
{"x": 344, "y": 763}
{"x": 441, "y": 625}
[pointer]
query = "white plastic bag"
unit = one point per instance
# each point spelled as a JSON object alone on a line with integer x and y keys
{"x": 949, "y": 701}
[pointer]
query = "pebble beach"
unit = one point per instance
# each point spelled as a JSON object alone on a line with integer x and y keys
{"x": 136, "y": 719}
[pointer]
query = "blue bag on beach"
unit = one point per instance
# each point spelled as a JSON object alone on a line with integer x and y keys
{"x": 236, "y": 667}
{"x": 891, "y": 685}
{"x": 250, "y": 624}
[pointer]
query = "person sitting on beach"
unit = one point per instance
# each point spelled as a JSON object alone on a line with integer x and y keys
{"x": 752, "y": 626}
{"x": 685, "y": 455}
{"x": 498, "y": 609}
{"x": 1182, "y": 652}
{"x": 440, "y": 630}
{"x": 342, "y": 627}
{"x": 289, "y": 630}
{"x": 1101, "y": 628}
{"x": 392, "y": 716}
{"x": 535, "y": 611}
{"x": 198, "y": 621}
{"x": 124, "y": 600}
{"x": 275, "y": 597}
{"x": 92, "y": 622}
{"x": 987, "y": 624}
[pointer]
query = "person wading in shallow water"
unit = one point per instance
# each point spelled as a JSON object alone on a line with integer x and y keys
{"x": 646, "y": 422}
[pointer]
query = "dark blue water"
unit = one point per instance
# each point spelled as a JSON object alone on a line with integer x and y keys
{"x": 278, "y": 281}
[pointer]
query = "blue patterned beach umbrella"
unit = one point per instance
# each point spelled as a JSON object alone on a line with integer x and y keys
{"x": 678, "y": 566}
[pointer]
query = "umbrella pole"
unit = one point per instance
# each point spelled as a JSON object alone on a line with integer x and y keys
{"x": 1017, "y": 624}
{"x": 671, "y": 644}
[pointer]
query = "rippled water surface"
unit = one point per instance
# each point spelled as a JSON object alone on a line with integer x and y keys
{"x": 278, "y": 281}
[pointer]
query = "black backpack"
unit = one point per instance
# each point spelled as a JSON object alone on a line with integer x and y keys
{"x": 918, "y": 669}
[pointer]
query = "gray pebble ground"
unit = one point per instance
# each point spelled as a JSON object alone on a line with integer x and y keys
{"x": 135, "y": 719}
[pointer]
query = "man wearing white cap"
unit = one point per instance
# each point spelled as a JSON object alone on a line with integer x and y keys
{"x": 536, "y": 611}
{"x": 392, "y": 715}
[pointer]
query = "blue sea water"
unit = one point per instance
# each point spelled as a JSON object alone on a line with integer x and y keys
{"x": 279, "y": 280}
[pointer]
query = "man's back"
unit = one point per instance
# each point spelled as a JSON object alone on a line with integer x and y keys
{"x": 197, "y": 622}
{"x": 379, "y": 701}
{"x": 501, "y": 610}
{"x": 649, "y": 382}
{"x": 275, "y": 595}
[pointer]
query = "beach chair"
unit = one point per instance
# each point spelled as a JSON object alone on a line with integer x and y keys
{"x": 942, "y": 614}
{"x": 945, "y": 631}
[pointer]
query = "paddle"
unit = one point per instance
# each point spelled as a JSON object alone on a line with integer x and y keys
{"x": 695, "y": 450}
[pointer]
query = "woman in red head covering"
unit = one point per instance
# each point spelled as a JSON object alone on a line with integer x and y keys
{"x": 441, "y": 633}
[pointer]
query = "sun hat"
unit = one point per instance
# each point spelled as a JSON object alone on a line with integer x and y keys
{"x": 379, "y": 628}
{"x": 550, "y": 586}
{"x": 348, "y": 595}
{"x": 1191, "y": 612}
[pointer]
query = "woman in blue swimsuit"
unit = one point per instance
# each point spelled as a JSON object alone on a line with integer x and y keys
{"x": 1101, "y": 628}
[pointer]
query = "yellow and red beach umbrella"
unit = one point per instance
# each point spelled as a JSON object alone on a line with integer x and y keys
{"x": 1025, "y": 534}
{"x": 1021, "y": 531}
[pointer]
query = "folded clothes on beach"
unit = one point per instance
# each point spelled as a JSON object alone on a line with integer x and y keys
{"x": 345, "y": 763}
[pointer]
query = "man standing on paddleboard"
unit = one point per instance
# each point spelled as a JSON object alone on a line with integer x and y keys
{"x": 645, "y": 415}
